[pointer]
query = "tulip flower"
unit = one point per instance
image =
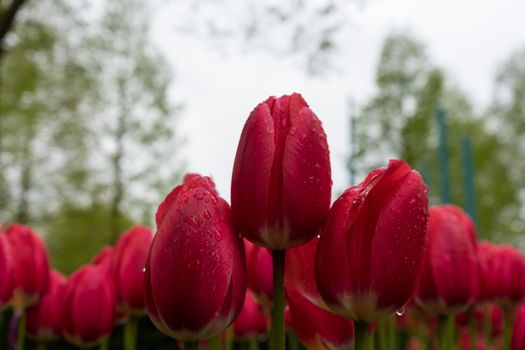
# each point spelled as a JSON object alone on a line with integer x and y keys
{"x": 44, "y": 320}
{"x": 196, "y": 271}
{"x": 31, "y": 265}
{"x": 6, "y": 271}
{"x": 317, "y": 328}
{"x": 488, "y": 270}
{"x": 131, "y": 253}
{"x": 371, "y": 246}
{"x": 449, "y": 280}
{"x": 518, "y": 333}
{"x": 89, "y": 306}
{"x": 104, "y": 256}
{"x": 260, "y": 274}
{"x": 252, "y": 320}
{"x": 509, "y": 264}
{"x": 281, "y": 180}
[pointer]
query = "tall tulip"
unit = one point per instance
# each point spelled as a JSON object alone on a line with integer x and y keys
{"x": 281, "y": 184}
{"x": 449, "y": 280}
{"x": 371, "y": 246}
{"x": 31, "y": 265}
{"x": 89, "y": 306}
{"x": 6, "y": 272}
{"x": 510, "y": 263}
{"x": 44, "y": 320}
{"x": 196, "y": 271}
{"x": 318, "y": 328}
{"x": 104, "y": 256}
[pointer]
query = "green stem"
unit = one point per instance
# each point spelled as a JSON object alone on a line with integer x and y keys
{"x": 41, "y": 346}
{"x": 472, "y": 329}
{"x": 507, "y": 328}
{"x": 278, "y": 326}
{"x": 361, "y": 335}
{"x": 191, "y": 345}
{"x": 104, "y": 345}
{"x": 130, "y": 334}
{"x": 383, "y": 335}
{"x": 229, "y": 339}
{"x": 21, "y": 330}
{"x": 446, "y": 337}
{"x": 292, "y": 341}
{"x": 215, "y": 343}
{"x": 253, "y": 344}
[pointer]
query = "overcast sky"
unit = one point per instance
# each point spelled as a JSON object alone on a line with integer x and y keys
{"x": 468, "y": 38}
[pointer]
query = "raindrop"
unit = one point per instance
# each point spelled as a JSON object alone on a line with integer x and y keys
{"x": 206, "y": 214}
{"x": 400, "y": 312}
{"x": 218, "y": 235}
{"x": 143, "y": 269}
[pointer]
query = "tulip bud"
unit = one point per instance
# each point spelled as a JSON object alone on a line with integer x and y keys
{"x": 105, "y": 256}
{"x": 518, "y": 333}
{"x": 44, "y": 320}
{"x": 371, "y": 246}
{"x": 252, "y": 320}
{"x": 89, "y": 306}
{"x": 196, "y": 271}
{"x": 449, "y": 279}
{"x": 130, "y": 257}
{"x": 31, "y": 265}
{"x": 510, "y": 264}
{"x": 6, "y": 271}
{"x": 318, "y": 328}
{"x": 281, "y": 180}
{"x": 260, "y": 273}
{"x": 488, "y": 270}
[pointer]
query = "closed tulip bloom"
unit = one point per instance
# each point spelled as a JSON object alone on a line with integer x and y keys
{"x": 104, "y": 256}
{"x": 252, "y": 321}
{"x": 260, "y": 273}
{"x": 510, "y": 284}
{"x": 281, "y": 180}
{"x": 300, "y": 271}
{"x": 89, "y": 306}
{"x": 372, "y": 244}
{"x": 31, "y": 265}
{"x": 317, "y": 328}
{"x": 196, "y": 271}
{"x": 6, "y": 271}
{"x": 449, "y": 279}
{"x": 44, "y": 320}
{"x": 131, "y": 253}
{"x": 488, "y": 270}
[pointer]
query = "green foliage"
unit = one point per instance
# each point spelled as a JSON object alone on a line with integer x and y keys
{"x": 400, "y": 122}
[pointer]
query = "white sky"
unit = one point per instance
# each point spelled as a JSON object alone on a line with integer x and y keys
{"x": 465, "y": 37}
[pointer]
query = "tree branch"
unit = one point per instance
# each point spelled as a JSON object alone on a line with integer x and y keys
{"x": 7, "y": 19}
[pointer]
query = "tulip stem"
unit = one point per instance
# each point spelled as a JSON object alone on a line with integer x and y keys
{"x": 215, "y": 343}
{"x": 253, "y": 344}
{"x": 278, "y": 327}
{"x": 191, "y": 345}
{"x": 507, "y": 327}
{"x": 446, "y": 324}
{"x": 104, "y": 345}
{"x": 130, "y": 334}
{"x": 361, "y": 335}
{"x": 41, "y": 346}
{"x": 21, "y": 330}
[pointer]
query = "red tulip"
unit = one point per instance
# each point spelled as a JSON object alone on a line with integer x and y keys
{"x": 510, "y": 284}
{"x": 89, "y": 306}
{"x": 6, "y": 271}
{"x": 252, "y": 321}
{"x": 260, "y": 273}
{"x": 44, "y": 320}
{"x": 196, "y": 271}
{"x": 488, "y": 270}
{"x": 372, "y": 244}
{"x": 518, "y": 333}
{"x": 104, "y": 256}
{"x": 317, "y": 328}
{"x": 300, "y": 271}
{"x": 281, "y": 179}
{"x": 449, "y": 279}
{"x": 31, "y": 265}
{"x": 130, "y": 257}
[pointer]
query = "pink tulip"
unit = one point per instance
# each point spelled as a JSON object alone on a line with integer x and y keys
{"x": 89, "y": 306}
{"x": 31, "y": 265}
{"x": 260, "y": 273}
{"x": 131, "y": 253}
{"x": 6, "y": 271}
{"x": 44, "y": 320}
{"x": 252, "y": 321}
{"x": 281, "y": 181}
{"x": 372, "y": 244}
{"x": 196, "y": 271}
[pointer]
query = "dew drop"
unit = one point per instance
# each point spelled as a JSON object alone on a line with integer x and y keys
{"x": 400, "y": 312}
{"x": 206, "y": 214}
{"x": 218, "y": 235}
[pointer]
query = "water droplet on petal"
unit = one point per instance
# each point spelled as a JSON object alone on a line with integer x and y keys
{"x": 400, "y": 312}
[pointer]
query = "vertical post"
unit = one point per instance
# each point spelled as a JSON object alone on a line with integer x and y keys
{"x": 468, "y": 176}
{"x": 351, "y": 157}
{"x": 443, "y": 155}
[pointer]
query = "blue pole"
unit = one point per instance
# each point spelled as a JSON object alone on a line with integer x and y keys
{"x": 468, "y": 176}
{"x": 353, "y": 143}
{"x": 443, "y": 155}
